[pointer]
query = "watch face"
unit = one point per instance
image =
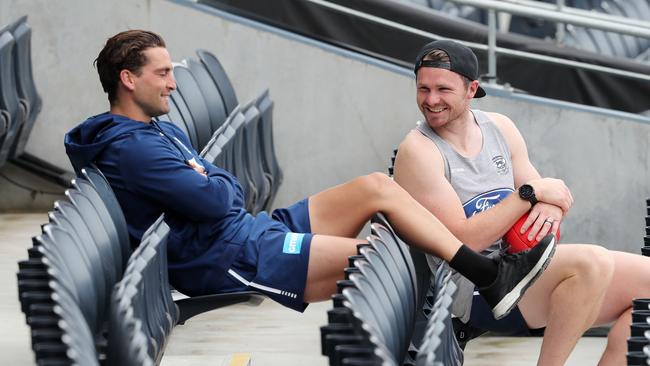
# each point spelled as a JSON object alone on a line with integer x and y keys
{"x": 526, "y": 191}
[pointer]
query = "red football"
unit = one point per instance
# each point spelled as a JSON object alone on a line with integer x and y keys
{"x": 519, "y": 242}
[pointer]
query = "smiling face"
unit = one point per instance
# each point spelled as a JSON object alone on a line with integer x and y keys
{"x": 153, "y": 83}
{"x": 442, "y": 95}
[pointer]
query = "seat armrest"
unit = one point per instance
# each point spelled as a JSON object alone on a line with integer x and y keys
{"x": 192, "y": 306}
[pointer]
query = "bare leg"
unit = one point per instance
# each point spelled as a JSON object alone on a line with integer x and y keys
{"x": 344, "y": 209}
{"x": 328, "y": 258}
{"x": 631, "y": 280}
{"x": 567, "y": 298}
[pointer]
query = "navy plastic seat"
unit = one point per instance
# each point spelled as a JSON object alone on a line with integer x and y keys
{"x": 270, "y": 163}
{"x": 185, "y": 122}
{"x": 25, "y": 83}
{"x": 211, "y": 94}
{"x": 9, "y": 99}
{"x": 220, "y": 78}
{"x": 189, "y": 90}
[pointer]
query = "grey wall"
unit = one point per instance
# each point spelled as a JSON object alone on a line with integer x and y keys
{"x": 336, "y": 116}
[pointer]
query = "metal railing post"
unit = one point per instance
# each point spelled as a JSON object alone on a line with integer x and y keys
{"x": 492, "y": 46}
{"x": 559, "y": 27}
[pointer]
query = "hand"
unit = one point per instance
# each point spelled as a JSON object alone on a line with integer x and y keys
{"x": 197, "y": 167}
{"x": 554, "y": 192}
{"x": 544, "y": 218}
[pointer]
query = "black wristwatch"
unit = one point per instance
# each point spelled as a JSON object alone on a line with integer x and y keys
{"x": 527, "y": 193}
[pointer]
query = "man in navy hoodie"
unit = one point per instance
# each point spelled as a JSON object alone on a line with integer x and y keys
{"x": 297, "y": 254}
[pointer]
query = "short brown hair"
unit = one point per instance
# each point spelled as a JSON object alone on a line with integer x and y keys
{"x": 442, "y": 57}
{"x": 124, "y": 51}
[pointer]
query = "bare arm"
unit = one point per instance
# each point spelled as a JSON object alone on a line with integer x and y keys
{"x": 555, "y": 198}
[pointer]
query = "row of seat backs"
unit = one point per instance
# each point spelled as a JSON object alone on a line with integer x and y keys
{"x": 20, "y": 103}
{"x": 142, "y": 312}
{"x": 244, "y": 146}
{"x": 438, "y": 343}
{"x": 204, "y": 97}
{"x": 64, "y": 286}
{"x": 374, "y": 310}
{"x": 609, "y": 43}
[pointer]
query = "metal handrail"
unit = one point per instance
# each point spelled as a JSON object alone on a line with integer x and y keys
{"x": 580, "y": 12}
{"x": 499, "y": 50}
{"x": 563, "y": 17}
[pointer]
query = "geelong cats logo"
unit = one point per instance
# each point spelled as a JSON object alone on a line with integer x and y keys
{"x": 501, "y": 164}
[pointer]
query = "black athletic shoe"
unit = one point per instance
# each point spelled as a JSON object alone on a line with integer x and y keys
{"x": 516, "y": 273}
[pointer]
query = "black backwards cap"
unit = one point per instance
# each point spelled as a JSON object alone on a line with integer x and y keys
{"x": 461, "y": 60}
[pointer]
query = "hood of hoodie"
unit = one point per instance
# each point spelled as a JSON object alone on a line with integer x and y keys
{"x": 86, "y": 141}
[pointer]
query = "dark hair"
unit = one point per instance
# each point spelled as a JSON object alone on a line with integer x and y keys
{"x": 124, "y": 51}
{"x": 442, "y": 57}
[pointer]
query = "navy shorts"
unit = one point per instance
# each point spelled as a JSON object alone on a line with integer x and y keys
{"x": 512, "y": 324}
{"x": 276, "y": 264}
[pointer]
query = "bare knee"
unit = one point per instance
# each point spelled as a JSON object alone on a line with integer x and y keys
{"x": 596, "y": 263}
{"x": 378, "y": 186}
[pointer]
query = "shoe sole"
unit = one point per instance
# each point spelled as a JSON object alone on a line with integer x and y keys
{"x": 511, "y": 299}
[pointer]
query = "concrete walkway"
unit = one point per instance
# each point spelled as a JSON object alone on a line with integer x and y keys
{"x": 270, "y": 334}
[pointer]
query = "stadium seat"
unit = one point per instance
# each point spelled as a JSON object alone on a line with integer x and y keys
{"x": 9, "y": 100}
{"x": 253, "y": 159}
{"x": 188, "y": 89}
{"x": 25, "y": 84}
{"x": 220, "y": 78}
{"x": 210, "y": 92}
{"x": 270, "y": 162}
{"x": 185, "y": 122}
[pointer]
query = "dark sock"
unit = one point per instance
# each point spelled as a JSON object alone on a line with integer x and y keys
{"x": 481, "y": 270}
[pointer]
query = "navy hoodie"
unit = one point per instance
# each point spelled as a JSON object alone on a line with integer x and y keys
{"x": 146, "y": 165}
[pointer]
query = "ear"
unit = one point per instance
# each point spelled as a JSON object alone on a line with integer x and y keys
{"x": 128, "y": 80}
{"x": 471, "y": 89}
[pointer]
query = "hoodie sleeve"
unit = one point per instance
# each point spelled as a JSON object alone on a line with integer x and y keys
{"x": 153, "y": 168}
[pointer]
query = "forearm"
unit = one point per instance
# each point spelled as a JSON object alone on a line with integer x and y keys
{"x": 484, "y": 228}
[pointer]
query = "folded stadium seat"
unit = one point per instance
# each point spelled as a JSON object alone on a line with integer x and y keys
{"x": 635, "y": 10}
{"x": 357, "y": 302}
{"x": 375, "y": 270}
{"x": 71, "y": 339}
{"x": 91, "y": 257}
{"x": 220, "y": 78}
{"x": 26, "y": 87}
{"x": 389, "y": 272}
{"x": 185, "y": 122}
{"x": 9, "y": 100}
{"x": 439, "y": 343}
{"x": 105, "y": 192}
{"x": 81, "y": 230}
{"x": 174, "y": 116}
{"x": 212, "y": 151}
{"x": 67, "y": 267}
{"x": 400, "y": 252}
{"x": 119, "y": 239}
{"x": 376, "y": 293}
{"x": 267, "y": 146}
{"x": 211, "y": 94}
{"x": 235, "y": 132}
{"x": 4, "y": 123}
{"x": 105, "y": 241}
{"x": 189, "y": 90}
{"x": 253, "y": 159}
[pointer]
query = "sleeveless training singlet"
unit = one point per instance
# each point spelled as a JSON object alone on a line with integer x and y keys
{"x": 480, "y": 182}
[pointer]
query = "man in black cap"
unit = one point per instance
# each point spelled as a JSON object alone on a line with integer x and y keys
{"x": 463, "y": 164}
